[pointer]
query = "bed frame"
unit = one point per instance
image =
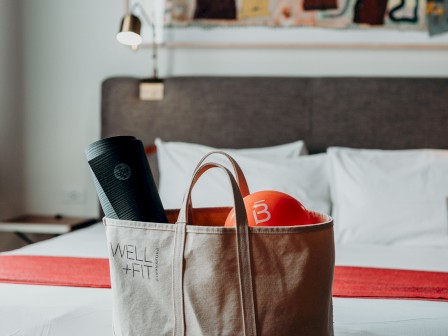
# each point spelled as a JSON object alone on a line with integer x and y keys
{"x": 237, "y": 112}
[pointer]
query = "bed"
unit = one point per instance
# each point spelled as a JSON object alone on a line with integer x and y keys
{"x": 370, "y": 113}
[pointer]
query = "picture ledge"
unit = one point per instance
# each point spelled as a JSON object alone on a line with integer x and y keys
{"x": 240, "y": 45}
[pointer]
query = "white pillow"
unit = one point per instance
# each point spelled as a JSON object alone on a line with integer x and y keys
{"x": 389, "y": 197}
{"x": 301, "y": 177}
{"x": 194, "y": 152}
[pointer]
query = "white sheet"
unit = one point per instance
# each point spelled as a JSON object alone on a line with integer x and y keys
{"x": 88, "y": 242}
{"x": 28, "y": 310}
{"x": 391, "y": 317}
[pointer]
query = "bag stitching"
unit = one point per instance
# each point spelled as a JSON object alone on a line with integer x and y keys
{"x": 144, "y": 226}
{"x": 263, "y": 230}
{"x": 222, "y": 230}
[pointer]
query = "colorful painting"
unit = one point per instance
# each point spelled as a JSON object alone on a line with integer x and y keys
{"x": 391, "y": 14}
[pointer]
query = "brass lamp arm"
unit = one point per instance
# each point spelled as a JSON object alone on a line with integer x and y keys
{"x": 149, "y": 21}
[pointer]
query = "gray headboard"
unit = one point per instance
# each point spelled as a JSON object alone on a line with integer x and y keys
{"x": 387, "y": 113}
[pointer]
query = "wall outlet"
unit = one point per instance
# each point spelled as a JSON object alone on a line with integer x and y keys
{"x": 74, "y": 195}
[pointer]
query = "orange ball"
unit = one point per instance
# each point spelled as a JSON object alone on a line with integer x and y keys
{"x": 272, "y": 208}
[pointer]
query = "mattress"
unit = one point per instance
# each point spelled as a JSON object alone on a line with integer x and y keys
{"x": 48, "y": 310}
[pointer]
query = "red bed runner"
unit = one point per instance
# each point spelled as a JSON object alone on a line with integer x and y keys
{"x": 366, "y": 282}
{"x": 349, "y": 282}
{"x": 55, "y": 271}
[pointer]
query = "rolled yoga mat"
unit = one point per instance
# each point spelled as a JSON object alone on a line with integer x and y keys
{"x": 124, "y": 181}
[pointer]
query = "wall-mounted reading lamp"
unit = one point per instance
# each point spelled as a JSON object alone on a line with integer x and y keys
{"x": 129, "y": 34}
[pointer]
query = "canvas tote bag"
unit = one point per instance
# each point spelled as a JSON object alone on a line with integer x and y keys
{"x": 197, "y": 278}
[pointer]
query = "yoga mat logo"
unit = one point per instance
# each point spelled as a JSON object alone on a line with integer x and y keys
{"x": 122, "y": 171}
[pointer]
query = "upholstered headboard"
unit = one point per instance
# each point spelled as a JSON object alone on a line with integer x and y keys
{"x": 387, "y": 113}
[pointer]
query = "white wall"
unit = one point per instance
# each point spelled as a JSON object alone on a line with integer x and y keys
{"x": 11, "y": 135}
{"x": 70, "y": 48}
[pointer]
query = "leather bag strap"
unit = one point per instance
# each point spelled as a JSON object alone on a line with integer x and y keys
{"x": 240, "y": 178}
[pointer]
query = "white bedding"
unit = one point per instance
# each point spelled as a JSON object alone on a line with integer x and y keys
{"x": 65, "y": 311}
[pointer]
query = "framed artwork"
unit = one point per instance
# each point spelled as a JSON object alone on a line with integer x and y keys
{"x": 349, "y": 14}
{"x": 298, "y": 23}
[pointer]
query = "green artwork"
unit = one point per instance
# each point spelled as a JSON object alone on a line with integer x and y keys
{"x": 437, "y": 16}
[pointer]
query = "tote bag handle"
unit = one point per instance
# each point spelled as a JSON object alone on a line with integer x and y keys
{"x": 240, "y": 178}
{"x": 242, "y": 244}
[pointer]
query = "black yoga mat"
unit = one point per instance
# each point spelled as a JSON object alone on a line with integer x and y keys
{"x": 124, "y": 181}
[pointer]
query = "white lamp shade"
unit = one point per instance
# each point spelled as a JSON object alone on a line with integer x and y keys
{"x": 129, "y": 38}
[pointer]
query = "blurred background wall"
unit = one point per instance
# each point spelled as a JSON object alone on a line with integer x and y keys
{"x": 54, "y": 56}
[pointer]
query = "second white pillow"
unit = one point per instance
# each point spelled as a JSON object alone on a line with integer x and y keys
{"x": 389, "y": 197}
{"x": 301, "y": 177}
